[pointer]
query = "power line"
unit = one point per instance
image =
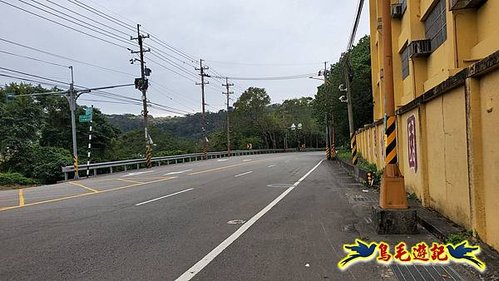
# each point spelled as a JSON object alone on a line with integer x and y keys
{"x": 61, "y": 24}
{"x": 170, "y": 62}
{"x": 130, "y": 27}
{"x": 33, "y": 75}
{"x": 86, "y": 17}
{"x": 165, "y": 67}
{"x": 290, "y": 77}
{"x": 92, "y": 26}
{"x": 263, "y": 64}
{"x": 30, "y": 80}
{"x": 63, "y": 57}
{"x": 355, "y": 24}
{"x": 35, "y": 59}
{"x": 102, "y": 15}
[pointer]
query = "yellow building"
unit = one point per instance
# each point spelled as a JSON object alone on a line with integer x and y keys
{"x": 446, "y": 82}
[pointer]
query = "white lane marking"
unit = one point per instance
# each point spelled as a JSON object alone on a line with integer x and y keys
{"x": 243, "y": 174}
{"x": 270, "y": 166}
{"x": 246, "y": 160}
{"x": 178, "y": 172}
{"x": 222, "y": 160}
{"x": 137, "y": 173}
{"x": 163, "y": 197}
{"x": 195, "y": 269}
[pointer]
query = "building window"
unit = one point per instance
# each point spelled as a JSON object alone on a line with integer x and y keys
{"x": 403, "y": 3}
{"x": 405, "y": 62}
{"x": 436, "y": 25}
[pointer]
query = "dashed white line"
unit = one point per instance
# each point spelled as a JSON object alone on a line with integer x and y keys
{"x": 178, "y": 172}
{"x": 195, "y": 269}
{"x": 163, "y": 197}
{"x": 243, "y": 174}
{"x": 270, "y": 166}
{"x": 246, "y": 160}
{"x": 222, "y": 160}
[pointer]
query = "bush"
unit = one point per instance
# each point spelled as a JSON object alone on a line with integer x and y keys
{"x": 40, "y": 162}
{"x": 7, "y": 179}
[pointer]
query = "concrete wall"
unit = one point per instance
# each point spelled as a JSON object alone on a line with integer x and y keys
{"x": 451, "y": 100}
{"x": 489, "y": 137}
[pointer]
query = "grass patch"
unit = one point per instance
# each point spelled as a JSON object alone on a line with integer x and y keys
{"x": 458, "y": 237}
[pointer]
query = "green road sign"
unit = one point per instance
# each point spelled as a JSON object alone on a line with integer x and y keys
{"x": 88, "y": 111}
{"x": 85, "y": 118}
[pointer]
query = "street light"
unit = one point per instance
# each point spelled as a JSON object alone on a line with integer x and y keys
{"x": 294, "y": 127}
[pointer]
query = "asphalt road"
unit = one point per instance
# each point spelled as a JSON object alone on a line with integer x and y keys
{"x": 182, "y": 222}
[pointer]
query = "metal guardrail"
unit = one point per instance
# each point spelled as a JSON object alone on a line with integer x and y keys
{"x": 169, "y": 160}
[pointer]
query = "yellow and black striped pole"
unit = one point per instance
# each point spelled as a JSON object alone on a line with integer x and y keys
{"x": 353, "y": 143}
{"x": 75, "y": 165}
{"x": 391, "y": 140}
{"x": 148, "y": 156}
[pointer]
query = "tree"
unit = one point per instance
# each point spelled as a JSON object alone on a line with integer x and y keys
{"x": 328, "y": 94}
{"x": 252, "y": 115}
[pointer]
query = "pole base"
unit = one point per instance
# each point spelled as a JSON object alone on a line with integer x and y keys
{"x": 390, "y": 221}
{"x": 392, "y": 191}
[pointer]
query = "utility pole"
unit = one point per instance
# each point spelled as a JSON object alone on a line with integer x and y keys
{"x": 202, "y": 74}
{"x": 348, "y": 81}
{"x": 72, "y": 107}
{"x": 330, "y": 128}
{"x": 328, "y": 133}
{"x": 142, "y": 84}
{"x": 228, "y": 93}
{"x": 392, "y": 192}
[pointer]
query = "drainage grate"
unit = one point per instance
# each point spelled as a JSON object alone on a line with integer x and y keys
{"x": 360, "y": 198}
{"x": 421, "y": 272}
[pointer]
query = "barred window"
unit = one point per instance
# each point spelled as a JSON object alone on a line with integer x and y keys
{"x": 436, "y": 26}
{"x": 405, "y": 62}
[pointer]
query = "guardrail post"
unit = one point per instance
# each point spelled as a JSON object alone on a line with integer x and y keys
{"x": 65, "y": 176}
{"x": 125, "y": 168}
{"x": 95, "y": 172}
{"x": 111, "y": 170}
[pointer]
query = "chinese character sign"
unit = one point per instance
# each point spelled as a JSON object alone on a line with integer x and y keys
{"x": 421, "y": 253}
{"x": 411, "y": 147}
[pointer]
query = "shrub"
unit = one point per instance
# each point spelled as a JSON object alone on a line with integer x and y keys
{"x": 7, "y": 179}
{"x": 40, "y": 162}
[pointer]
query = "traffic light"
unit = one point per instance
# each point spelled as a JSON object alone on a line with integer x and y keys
{"x": 141, "y": 84}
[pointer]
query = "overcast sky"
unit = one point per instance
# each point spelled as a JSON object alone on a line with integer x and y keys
{"x": 257, "y": 38}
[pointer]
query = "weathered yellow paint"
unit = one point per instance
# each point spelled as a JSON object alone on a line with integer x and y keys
{"x": 447, "y": 165}
{"x": 82, "y": 195}
{"x": 83, "y": 186}
{"x": 21, "y": 197}
{"x": 457, "y": 132}
{"x": 489, "y": 114}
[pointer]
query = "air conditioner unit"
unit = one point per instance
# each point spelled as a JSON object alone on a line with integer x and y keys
{"x": 397, "y": 12}
{"x": 420, "y": 48}
{"x": 466, "y": 4}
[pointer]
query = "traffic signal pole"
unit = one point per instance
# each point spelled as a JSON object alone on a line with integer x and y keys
{"x": 72, "y": 107}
